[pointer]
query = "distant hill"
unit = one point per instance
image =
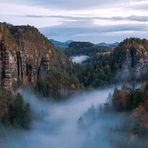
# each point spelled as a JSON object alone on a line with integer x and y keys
{"x": 85, "y": 48}
{"x": 109, "y": 45}
{"x": 60, "y": 45}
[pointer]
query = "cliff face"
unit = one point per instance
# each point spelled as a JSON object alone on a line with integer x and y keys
{"x": 7, "y": 68}
{"x": 26, "y": 56}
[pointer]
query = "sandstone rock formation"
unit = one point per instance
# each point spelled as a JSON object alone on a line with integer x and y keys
{"x": 26, "y": 55}
{"x": 132, "y": 53}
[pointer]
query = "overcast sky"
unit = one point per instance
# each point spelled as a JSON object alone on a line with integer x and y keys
{"x": 84, "y": 20}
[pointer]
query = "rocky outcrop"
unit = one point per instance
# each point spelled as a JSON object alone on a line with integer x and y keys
{"x": 26, "y": 56}
{"x": 132, "y": 53}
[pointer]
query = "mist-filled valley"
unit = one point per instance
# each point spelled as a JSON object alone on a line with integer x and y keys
{"x": 57, "y": 124}
{"x": 76, "y": 122}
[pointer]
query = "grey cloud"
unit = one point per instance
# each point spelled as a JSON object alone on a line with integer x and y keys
{"x": 95, "y": 34}
{"x": 68, "y": 30}
{"x": 138, "y": 18}
{"x": 131, "y": 18}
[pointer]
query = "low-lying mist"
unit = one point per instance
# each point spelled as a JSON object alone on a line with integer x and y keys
{"x": 74, "y": 123}
{"x": 79, "y": 59}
